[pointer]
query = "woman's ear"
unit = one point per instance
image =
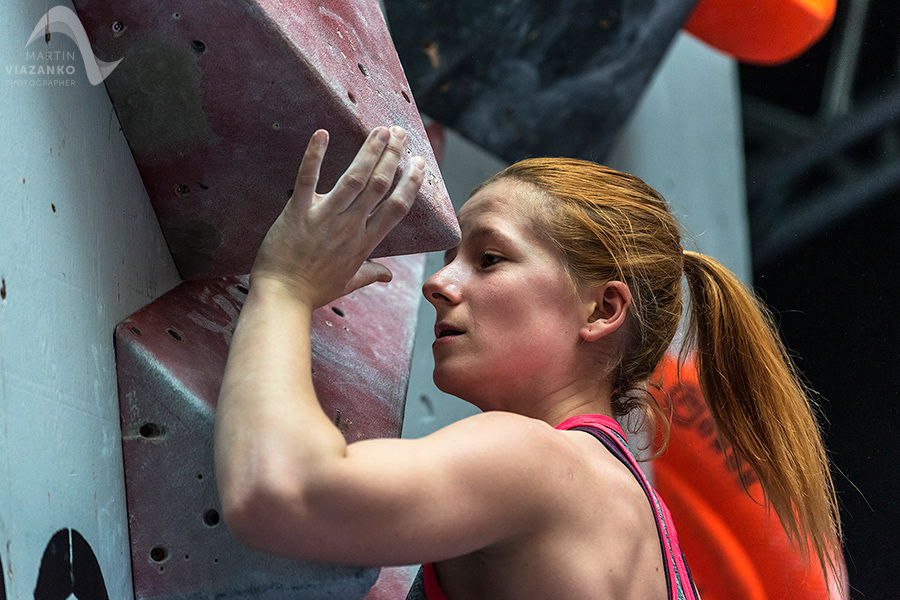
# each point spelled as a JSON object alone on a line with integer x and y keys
{"x": 606, "y": 309}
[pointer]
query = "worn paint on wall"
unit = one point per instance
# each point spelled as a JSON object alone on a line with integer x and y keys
{"x": 80, "y": 249}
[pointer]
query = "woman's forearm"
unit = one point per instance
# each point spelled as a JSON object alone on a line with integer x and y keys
{"x": 271, "y": 432}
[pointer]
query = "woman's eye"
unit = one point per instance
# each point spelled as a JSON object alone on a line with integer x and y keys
{"x": 489, "y": 260}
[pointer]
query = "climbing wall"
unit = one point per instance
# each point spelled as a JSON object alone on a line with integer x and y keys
{"x": 218, "y": 100}
{"x": 171, "y": 357}
{"x": 534, "y": 78}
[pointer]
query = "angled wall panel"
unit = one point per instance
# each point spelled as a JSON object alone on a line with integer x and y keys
{"x": 218, "y": 99}
{"x": 170, "y": 360}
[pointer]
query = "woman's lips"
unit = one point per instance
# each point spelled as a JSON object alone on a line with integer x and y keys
{"x": 446, "y": 331}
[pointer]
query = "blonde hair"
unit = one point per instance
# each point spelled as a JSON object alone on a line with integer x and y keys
{"x": 608, "y": 225}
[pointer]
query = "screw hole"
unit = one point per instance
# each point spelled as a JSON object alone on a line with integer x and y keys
{"x": 362, "y": 69}
{"x": 175, "y": 334}
{"x": 118, "y": 28}
{"x": 276, "y": 126}
{"x": 242, "y": 289}
{"x": 337, "y": 311}
{"x": 135, "y": 331}
{"x": 176, "y": 16}
{"x": 149, "y": 431}
{"x": 405, "y": 97}
{"x": 199, "y": 476}
{"x": 158, "y": 554}
{"x": 182, "y": 190}
{"x": 352, "y": 97}
{"x": 211, "y": 517}
{"x": 198, "y": 46}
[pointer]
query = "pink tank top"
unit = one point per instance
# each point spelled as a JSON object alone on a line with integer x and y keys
{"x": 679, "y": 584}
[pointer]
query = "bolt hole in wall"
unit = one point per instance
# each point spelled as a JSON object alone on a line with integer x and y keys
{"x": 211, "y": 517}
{"x": 405, "y": 96}
{"x": 352, "y": 97}
{"x": 337, "y": 311}
{"x": 118, "y": 28}
{"x": 182, "y": 190}
{"x": 150, "y": 431}
{"x": 159, "y": 554}
{"x": 242, "y": 289}
{"x": 135, "y": 331}
{"x": 362, "y": 69}
{"x": 198, "y": 46}
{"x": 175, "y": 334}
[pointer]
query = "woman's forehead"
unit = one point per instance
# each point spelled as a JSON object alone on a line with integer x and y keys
{"x": 504, "y": 200}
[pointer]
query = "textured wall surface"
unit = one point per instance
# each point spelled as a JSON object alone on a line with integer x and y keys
{"x": 219, "y": 99}
{"x": 80, "y": 250}
{"x": 534, "y": 78}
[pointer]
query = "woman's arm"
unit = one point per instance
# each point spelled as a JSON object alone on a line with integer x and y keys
{"x": 288, "y": 481}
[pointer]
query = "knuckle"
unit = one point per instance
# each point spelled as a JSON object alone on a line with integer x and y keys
{"x": 396, "y": 150}
{"x": 354, "y": 181}
{"x": 381, "y": 184}
{"x": 399, "y": 206}
{"x": 307, "y": 180}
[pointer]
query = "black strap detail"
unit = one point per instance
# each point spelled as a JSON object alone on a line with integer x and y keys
{"x": 417, "y": 590}
{"x": 610, "y": 443}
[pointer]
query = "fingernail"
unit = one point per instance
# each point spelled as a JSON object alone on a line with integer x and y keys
{"x": 398, "y": 131}
{"x": 419, "y": 163}
{"x": 383, "y": 134}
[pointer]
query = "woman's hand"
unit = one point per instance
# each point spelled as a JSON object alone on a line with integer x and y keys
{"x": 317, "y": 248}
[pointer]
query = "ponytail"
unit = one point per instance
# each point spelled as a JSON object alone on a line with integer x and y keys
{"x": 760, "y": 405}
{"x": 609, "y": 225}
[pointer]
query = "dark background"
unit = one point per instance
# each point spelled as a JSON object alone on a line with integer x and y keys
{"x": 834, "y": 284}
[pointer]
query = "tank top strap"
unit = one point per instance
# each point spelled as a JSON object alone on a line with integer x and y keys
{"x": 679, "y": 582}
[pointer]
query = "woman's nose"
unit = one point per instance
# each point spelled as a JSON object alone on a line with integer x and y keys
{"x": 442, "y": 287}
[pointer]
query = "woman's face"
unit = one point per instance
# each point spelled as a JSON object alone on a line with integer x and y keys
{"x": 508, "y": 317}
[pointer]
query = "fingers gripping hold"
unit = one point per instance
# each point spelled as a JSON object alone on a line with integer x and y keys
{"x": 394, "y": 208}
{"x": 319, "y": 243}
{"x": 308, "y": 175}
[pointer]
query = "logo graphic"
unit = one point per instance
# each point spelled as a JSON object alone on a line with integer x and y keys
{"x": 61, "y": 19}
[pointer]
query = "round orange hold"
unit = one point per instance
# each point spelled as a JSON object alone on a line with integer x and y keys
{"x": 766, "y": 32}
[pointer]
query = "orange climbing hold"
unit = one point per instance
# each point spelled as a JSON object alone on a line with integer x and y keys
{"x": 766, "y": 32}
{"x": 734, "y": 544}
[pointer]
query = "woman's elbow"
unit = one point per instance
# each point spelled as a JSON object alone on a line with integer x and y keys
{"x": 256, "y": 515}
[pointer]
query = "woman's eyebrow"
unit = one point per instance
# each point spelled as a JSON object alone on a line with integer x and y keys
{"x": 474, "y": 236}
{"x": 487, "y": 231}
